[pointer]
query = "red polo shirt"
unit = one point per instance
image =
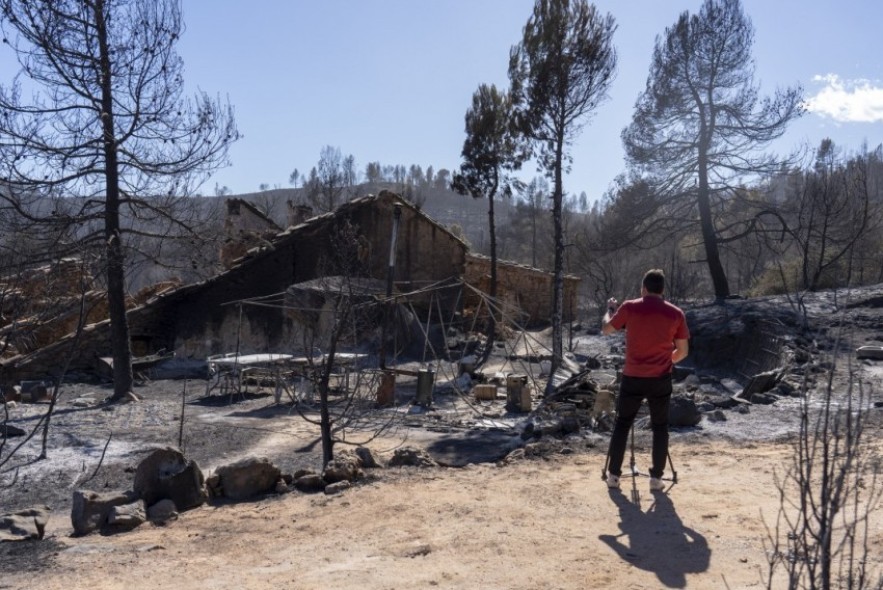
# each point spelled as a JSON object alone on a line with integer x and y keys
{"x": 651, "y": 325}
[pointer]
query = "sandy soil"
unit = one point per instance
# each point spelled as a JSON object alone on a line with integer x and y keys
{"x": 532, "y": 523}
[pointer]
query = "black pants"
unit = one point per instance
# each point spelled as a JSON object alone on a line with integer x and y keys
{"x": 633, "y": 391}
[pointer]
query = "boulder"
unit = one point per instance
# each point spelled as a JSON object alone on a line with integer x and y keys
{"x": 248, "y": 477}
{"x": 763, "y": 398}
{"x": 337, "y": 487}
{"x": 127, "y": 516}
{"x": 24, "y": 525}
{"x": 9, "y": 431}
{"x": 409, "y": 456}
{"x": 367, "y": 458}
{"x": 683, "y": 412}
{"x": 344, "y": 467}
{"x": 309, "y": 483}
{"x": 91, "y": 511}
{"x": 869, "y": 352}
{"x": 162, "y": 512}
{"x": 167, "y": 475}
{"x": 716, "y": 416}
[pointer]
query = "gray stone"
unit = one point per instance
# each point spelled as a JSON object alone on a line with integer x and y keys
{"x": 90, "y": 511}
{"x": 337, "y": 487}
{"x": 787, "y": 389}
{"x": 344, "y": 467}
{"x": 732, "y": 386}
{"x": 367, "y": 458}
{"x": 24, "y": 525}
{"x": 9, "y": 431}
{"x": 409, "y": 456}
{"x": 162, "y": 512}
{"x": 683, "y": 412}
{"x": 309, "y": 483}
{"x": 869, "y": 352}
{"x": 167, "y": 474}
{"x": 763, "y": 398}
{"x": 127, "y": 516}
{"x": 247, "y": 478}
{"x": 717, "y": 416}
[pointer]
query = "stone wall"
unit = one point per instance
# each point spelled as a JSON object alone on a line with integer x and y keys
{"x": 525, "y": 292}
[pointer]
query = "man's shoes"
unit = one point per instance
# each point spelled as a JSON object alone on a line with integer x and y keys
{"x": 612, "y": 481}
{"x": 656, "y": 484}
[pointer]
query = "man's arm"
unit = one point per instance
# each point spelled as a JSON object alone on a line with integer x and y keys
{"x": 682, "y": 348}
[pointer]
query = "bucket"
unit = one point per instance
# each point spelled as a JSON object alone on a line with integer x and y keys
{"x": 425, "y": 379}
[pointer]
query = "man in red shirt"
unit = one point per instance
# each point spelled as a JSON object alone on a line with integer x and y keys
{"x": 656, "y": 338}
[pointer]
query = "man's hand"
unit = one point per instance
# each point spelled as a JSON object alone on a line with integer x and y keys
{"x": 612, "y": 306}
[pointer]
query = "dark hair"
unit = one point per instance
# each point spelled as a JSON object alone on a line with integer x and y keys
{"x": 654, "y": 281}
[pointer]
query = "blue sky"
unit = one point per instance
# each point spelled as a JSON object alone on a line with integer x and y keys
{"x": 390, "y": 80}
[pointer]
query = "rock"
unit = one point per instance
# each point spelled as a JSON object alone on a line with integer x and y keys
{"x": 732, "y": 386}
{"x": 91, "y": 511}
{"x": 248, "y": 477}
{"x": 344, "y": 467}
{"x": 9, "y": 431}
{"x": 127, "y": 516}
{"x": 162, "y": 512}
{"x": 711, "y": 389}
{"x": 367, "y": 458}
{"x": 869, "y": 352}
{"x": 282, "y": 486}
{"x": 742, "y": 409}
{"x": 763, "y": 398}
{"x": 717, "y": 416}
{"x": 683, "y": 412}
{"x": 337, "y": 487}
{"x": 726, "y": 403}
{"x": 167, "y": 474}
{"x": 24, "y": 525}
{"x": 788, "y": 389}
{"x": 409, "y": 456}
{"x": 309, "y": 483}
{"x": 213, "y": 486}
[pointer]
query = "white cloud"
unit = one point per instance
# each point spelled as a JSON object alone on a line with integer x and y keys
{"x": 847, "y": 101}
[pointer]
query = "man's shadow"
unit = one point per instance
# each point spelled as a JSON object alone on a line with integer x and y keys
{"x": 657, "y": 540}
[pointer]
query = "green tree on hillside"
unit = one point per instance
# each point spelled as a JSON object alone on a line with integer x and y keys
{"x": 490, "y": 152}
{"x": 559, "y": 74}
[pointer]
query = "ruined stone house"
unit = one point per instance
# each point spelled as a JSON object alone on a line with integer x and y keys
{"x": 242, "y": 308}
{"x": 202, "y": 319}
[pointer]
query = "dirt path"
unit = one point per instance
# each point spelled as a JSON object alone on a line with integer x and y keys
{"x": 532, "y": 524}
